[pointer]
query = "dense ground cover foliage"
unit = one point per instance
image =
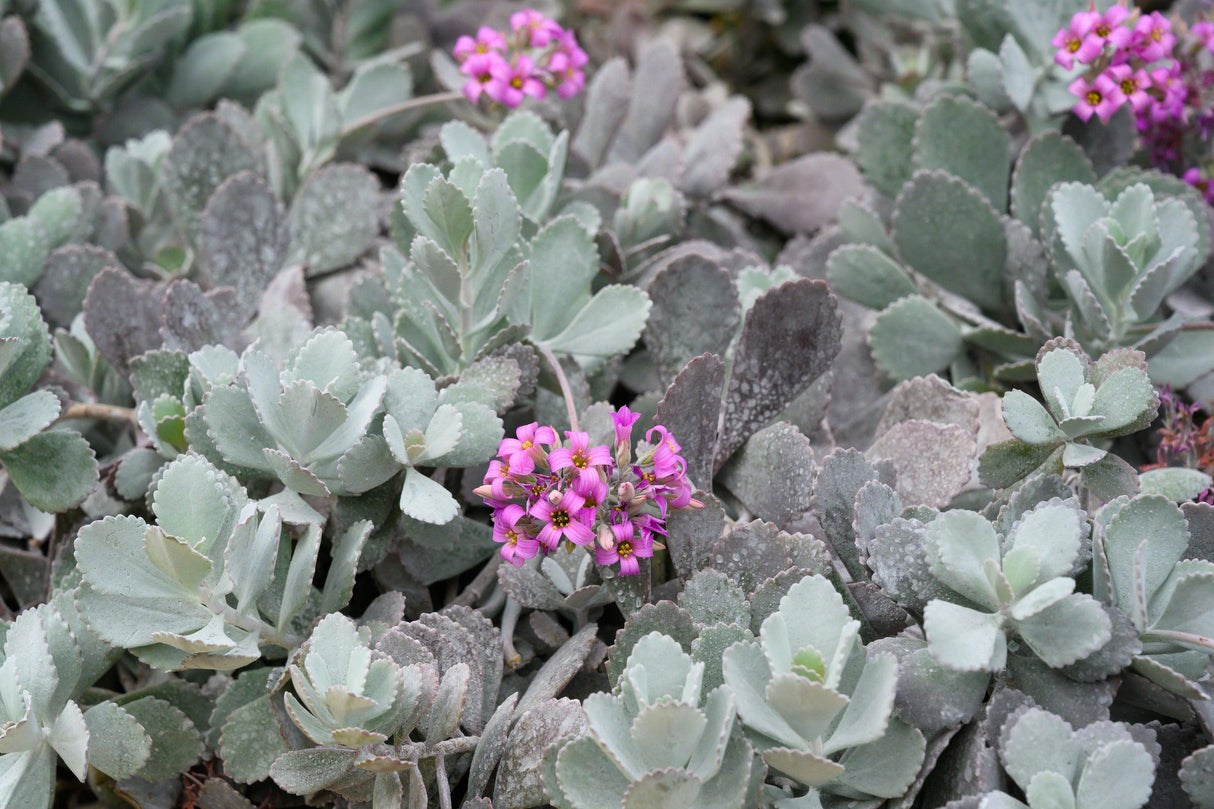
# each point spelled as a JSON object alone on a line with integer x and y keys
{"x": 643, "y": 405}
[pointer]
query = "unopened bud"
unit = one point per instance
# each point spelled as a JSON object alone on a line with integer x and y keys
{"x": 606, "y": 539}
{"x": 626, "y": 492}
{"x": 555, "y": 496}
{"x": 485, "y": 491}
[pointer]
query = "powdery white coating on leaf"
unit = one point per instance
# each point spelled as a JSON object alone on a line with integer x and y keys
{"x": 788, "y": 339}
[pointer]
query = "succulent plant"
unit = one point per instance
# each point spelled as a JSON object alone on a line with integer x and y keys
{"x": 54, "y": 469}
{"x": 1021, "y": 583}
{"x": 475, "y": 279}
{"x": 1101, "y": 765}
{"x": 816, "y": 706}
{"x": 38, "y": 678}
{"x": 1144, "y": 566}
{"x": 212, "y": 580}
{"x": 655, "y": 742}
{"x": 1022, "y": 270}
{"x": 1085, "y": 401}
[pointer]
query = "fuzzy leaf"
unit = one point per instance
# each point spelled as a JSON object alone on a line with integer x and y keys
{"x": 965, "y": 139}
{"x": 935, "y": 207}
{"x": 765, "y": 376}
{"x": 913, "y": 338}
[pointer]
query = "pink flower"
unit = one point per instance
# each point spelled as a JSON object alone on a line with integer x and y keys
{"x": 1102, "y": 96}
{"x": 480, "y": 69}
{"x": 593, "y": 493}
{"x": 666, "y": 461}
{"x": 517, "y": 546}
{"x": 1133, "y": 84}
{"x": 1108, "y": 27}
{"x": 539, "y": 29}
{"x": 1195, "y": 178}
{"x": 580, "y": 456}
{"x": 623, "y": 419}
{"x": 1070, "y": 40}
{"x": 501, "y": 485}
{"x": 1203, "y": 32}
{"x": 486, "y": 40}
{"x": 569, "y": 79}
{"x": 628, "y": 549}
{"x": 510, "y": 83}
{"x": 521, "y": 452}
{"x": 1153, "y": 39}
{"x": 561, "y": 520}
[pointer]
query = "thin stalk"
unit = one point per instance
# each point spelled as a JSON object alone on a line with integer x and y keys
{"x": 509, "y": 620}
{"x": 561, "y": 379}
{"x": 476, "y": 588}
{"x": 104, "y": 412}
{"x": 396, "y": 109}
{"x": 440, "y": 776}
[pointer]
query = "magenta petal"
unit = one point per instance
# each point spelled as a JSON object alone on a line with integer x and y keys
{"x": 578, "y": 533}
{"x": 606, "y": 556}
{"x": 629, "y": 566}
{"x": 549, "y": 537}
{"x": 560, "y": 459}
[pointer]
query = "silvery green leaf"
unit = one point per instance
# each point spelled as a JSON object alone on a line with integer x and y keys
{"x": 176, "y": 743}
{"x": 1019, "y": 74}
{"x": 608, "y": 325}
{"x": 496, "y": 229}
{"x": 304, "y": 772}
{"x": 57, "y": 213}
{"x": 119, "y": 746}
{"x": 24, "y": 248}
{"x": 374, "y": 87}
{"x": 959, "y": 545}
{"x": 1178, "y": 484}
{"x": 710, "y": 597}
{"x": 965, "y": 139}
{"x": 587, "y": 776}
{"x": 1067, "y": 631}
{"x": 1117, "y": 776}
{"x": 196, "y": 502}
{"x": 885, "y": 131}
{"x": 334, "y": 217}
{"x": 867, "y": 275}
{"x": 975, "y": 234}
{"x": 26, "y": 417}
{"x": 460, "y": 140}
{"x": 1197, "y": 777}
{"x": 339, "y": 581}
{"x": 563, "y": 262}
{"x": 53, "y": 470}
{"x": 205, "y": 67}
{"x": 250, "y": 741}
{"x": 912, "y": 337}
{"x": 965, "y": 639}
{"x": 1028, "y": 419}
{"x": 297, "y": 583}
{"x": 27, "y": 779}
{"x": 25, "y": 343}
{"x": 427, "y": 500}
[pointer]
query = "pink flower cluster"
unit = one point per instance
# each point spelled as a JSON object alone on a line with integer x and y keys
{"x": 1164, "y": 73}
{"x": 536, "y": 55}
{"x": 544, "y": 491}
{"x": 1129, "y": 58}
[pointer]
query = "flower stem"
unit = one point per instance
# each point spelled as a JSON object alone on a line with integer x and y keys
{"x": 103, "y": 412}
{"x": 396, "y": 109}
{"x": 563, "y": 381}
{"x": 509, "y": 621}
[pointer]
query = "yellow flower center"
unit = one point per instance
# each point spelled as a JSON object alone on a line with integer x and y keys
{"x": 624, "y": 549}
{"x": 560, "y": 519}
{"x": 1093, "y": 97}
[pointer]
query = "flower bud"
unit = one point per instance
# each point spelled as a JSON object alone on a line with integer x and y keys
{"x": 555, "y": 496}
{"x": 605, "y": 538}
{"x": 626, "y": 492}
